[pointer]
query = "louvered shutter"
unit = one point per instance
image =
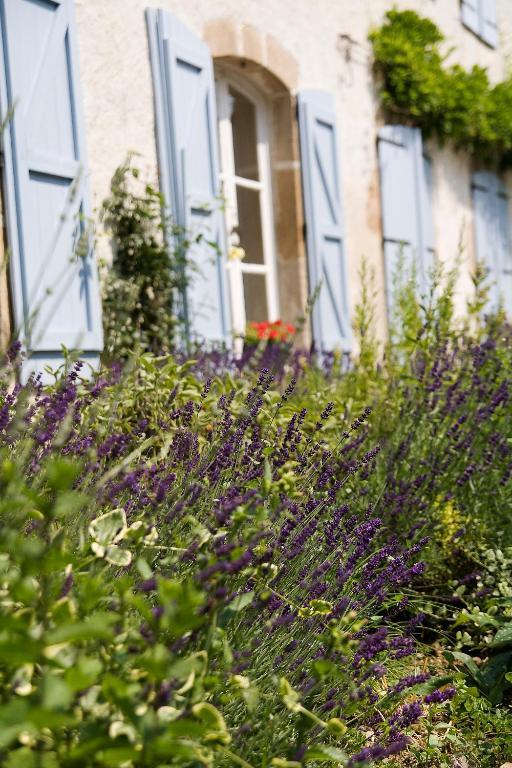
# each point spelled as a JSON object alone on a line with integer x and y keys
{"x": 406, "y": 202}
{"x": 189, "y": 167}
{"x": 492, "y": 236}
{"x": 53, "y": 276}
{"x": 324, "y": 218}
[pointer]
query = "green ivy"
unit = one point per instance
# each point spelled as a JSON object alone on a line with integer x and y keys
{"x": 140, "y": 285}
{"x": 446, "y": 101}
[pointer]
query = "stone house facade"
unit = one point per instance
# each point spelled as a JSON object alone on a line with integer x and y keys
{"x": 261, "y": 121}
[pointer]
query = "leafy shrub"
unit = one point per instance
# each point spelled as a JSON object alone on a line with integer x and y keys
{"x": 200, "y": 586}
{"x": 448, "y": 102}
{"x": 203, "y": 564}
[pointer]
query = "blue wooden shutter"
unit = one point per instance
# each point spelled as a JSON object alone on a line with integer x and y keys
{"x": 485, "y": 223}
{"x": 53, "y": 275}
{"x": 321, "y": 185}
{"x": 426, "y": 196}
{"x": 189, "y": 167}
{"x": 406, "y": 202}
{"x": 492, "y": 236}
{"x": 504, "y": 250}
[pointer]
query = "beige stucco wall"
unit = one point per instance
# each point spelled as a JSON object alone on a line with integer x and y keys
{"x": 310, "y": 44}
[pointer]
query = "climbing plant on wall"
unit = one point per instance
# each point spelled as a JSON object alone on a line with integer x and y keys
{"x": 418, "y": 86}
{"x": 140, "y": 286}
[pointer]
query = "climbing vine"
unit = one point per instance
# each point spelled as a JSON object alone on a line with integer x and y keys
{"x": 139, "y": 288}
{"x": 419, "y": 87}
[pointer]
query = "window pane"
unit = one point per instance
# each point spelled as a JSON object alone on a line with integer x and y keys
{"x": 249, "y": 224}
{"x": 255, "y": 296}
{"x": 243, "y": 121}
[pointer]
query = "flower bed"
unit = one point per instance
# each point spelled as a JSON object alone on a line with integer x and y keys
{"x": 245, "y": 569}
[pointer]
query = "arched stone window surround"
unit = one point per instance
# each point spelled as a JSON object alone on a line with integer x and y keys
{"x": 259, "y": 60}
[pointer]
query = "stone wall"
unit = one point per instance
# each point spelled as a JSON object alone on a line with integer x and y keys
{"x": 303, "y": 44}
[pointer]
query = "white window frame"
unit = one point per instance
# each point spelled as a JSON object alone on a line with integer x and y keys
{"x": 237, "y": 267}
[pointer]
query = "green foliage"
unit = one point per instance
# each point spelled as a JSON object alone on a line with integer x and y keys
{"x": 125, "y": 612}
{"x": 468, "y": 731}
{"x": 139, "y": 287}
{"x": 129, "y": 638}
{"x": 445, "y": 101}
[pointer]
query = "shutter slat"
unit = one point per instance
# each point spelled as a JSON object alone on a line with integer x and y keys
{"x": 189, "y": 167}
{"x": 321, "y": 183}
{"x": 55, "y": 291}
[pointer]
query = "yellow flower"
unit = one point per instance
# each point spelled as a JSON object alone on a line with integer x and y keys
{"x": 449, "y": 522}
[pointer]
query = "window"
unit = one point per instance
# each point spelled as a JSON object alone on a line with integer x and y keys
{"x": 492, "y": 236}
{"x": 246, "y": 182}
{"x": 259, "y": 137}
{"x": 480, "y": 17}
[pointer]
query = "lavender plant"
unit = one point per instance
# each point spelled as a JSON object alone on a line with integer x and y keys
{"x": 201, "y": 587}
{"x": 212, "y": 561}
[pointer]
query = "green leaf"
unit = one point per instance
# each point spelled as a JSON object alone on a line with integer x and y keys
{"x": 18, "y": 652}
{"x": 9, "y": 733}
{"x": 326, "y": 753}
{"x": 432, "y": 684}
{"x": 240, "y": 602}
{"x": 56, "y": 693}
{"x": 503, "y": 636}
{"x": 156, "y": 660}
{"x": 182, "y": 668}
{"x": 89, "y": 747}
{"x": 21, "y": 758}
{"x": 323, "y": 667}
{"x": 69, "y": 503}
{"x": 143, "y": 568}
{"x": 115, "y": 756}
{"x": 267, "y": 476}
{"x": 118, "y": 690}
{"x": 189, "y": 752}
{"x": 117, "y": 556}
{"x": 84, "y": 673}
{"x": 336, "y": 726}
{"x": 466, "y": 660}
{"x": 210, "y": 716}
{"x": 251, "y": 697}
{"x": 61, "y": 474}
{"x": 290, "y": 697}
{"x": 109, "y": 528}
{"x": 97, "y": 627}
{"x": 492, "y": 676}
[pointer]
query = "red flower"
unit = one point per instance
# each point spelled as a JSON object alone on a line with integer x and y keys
{"x": 270, "y": 331}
